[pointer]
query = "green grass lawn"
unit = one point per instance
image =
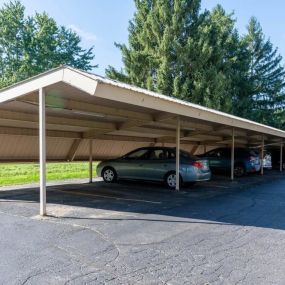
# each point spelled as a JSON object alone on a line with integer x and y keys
{"x": 25, "y": 173}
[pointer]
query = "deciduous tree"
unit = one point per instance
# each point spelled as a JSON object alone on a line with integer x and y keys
{"x": 31, "y": 45}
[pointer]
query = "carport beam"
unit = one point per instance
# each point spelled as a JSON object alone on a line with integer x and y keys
{"x": 233, "y": 155}
{"x": 281, "y": 157}
{"x": 262, "y": 156}
{"x": 42, "y": 142}
{"x": 90, "y": 161}
{"x": 177, "y": 154}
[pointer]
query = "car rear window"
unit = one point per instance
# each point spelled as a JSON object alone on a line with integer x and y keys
{"x": 186, "y": 154}
{"x": 253, "y": 153}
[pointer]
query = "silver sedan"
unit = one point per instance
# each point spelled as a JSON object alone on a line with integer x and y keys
{"x": 155, "y": 164}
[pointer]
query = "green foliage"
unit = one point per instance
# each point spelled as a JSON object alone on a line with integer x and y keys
{"x": 31, "y": 45}
{"x": 266, "y": 77}
{"x": 158, "y": 38}
{"x": 177, "y": 50}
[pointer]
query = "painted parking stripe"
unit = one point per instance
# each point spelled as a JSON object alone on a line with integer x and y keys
{"x": 108, "y": 197}
{"x": 219, "y": 186}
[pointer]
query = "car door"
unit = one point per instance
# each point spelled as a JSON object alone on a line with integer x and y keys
{"x": 217, "y": 159}
{"x": 155, "y": 166}
{"x": 225, "y": 159}
{"x": 130, "y": 165}
{"x": 213, "y": 158}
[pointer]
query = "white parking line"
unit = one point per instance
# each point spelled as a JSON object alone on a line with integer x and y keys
{"x": 219, "y": 186}
{"x": 108, "y": 197}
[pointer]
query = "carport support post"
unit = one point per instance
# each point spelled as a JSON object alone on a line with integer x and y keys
{"x": 42, "y": 142}
{"x": 90, "y": 161}
{"x": 262, "y": 156}
{"x": 281, "y": 157}
{"x": 233, "y": 155}
{"x": 177, "y": 154}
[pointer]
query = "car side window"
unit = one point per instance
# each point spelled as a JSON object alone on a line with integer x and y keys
{"x": 223, "y": 153}
{"x": 157, "y": 154}
{"x": 139, "y": 154}
{"x": 213, "y": 153}
{"x": 170, "y": 154}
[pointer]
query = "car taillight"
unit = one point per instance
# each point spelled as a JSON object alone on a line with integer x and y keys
{"x": 252, "y": 158}
{"x": 197, "y": 164}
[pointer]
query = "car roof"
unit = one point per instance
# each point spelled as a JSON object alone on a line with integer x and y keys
{"x": 228, "y": 148}
{"x": 155, "y": 147}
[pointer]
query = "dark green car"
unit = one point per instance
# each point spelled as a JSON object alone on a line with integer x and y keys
{"x": 246, "y": 161}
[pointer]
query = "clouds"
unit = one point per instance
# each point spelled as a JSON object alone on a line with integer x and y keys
{"x": 85, "y": 36}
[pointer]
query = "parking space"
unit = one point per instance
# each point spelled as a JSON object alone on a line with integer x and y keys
{"x": 125, "y": 196}
{"x": 130, "y": 233}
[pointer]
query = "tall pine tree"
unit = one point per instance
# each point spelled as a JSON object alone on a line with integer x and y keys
{"x": 176, "y": 50}
{"x": 158, "y": 34}
{"x": 265, "y": 78}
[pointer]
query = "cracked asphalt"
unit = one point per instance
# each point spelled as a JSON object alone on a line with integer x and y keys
{"x": 220, "y": 232}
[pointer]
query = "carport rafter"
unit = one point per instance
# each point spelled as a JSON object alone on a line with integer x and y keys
{"x": 73, "y": 149}
{"x": 20, "y": 117}
{"x": 35, "y": 132}
{"x": 77, "y": 106}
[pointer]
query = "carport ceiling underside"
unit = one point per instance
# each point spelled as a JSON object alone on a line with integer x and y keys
{"x": 118, "y": 117}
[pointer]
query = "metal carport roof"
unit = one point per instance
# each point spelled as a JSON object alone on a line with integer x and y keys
{"x": 117, "y": 117}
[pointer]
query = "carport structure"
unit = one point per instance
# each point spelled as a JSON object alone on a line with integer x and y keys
{"x": 69, "y": 114}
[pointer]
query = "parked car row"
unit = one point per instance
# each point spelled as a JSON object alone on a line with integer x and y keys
{"x": 159, "y": 164}
{"x": 246, "y": 161}
{"x": 155, "y": 164}
{"x": 275, "y": 158}
{"x": 271, "y": 158}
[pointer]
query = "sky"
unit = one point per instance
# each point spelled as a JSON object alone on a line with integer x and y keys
{"x": 100, "y": 23}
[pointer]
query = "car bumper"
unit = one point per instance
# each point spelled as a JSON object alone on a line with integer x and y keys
{"x": 197, "y": 177}
{"x": 99, "y": 170}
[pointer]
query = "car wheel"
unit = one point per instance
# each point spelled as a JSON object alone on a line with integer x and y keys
{"x": 170, "y": 180}
{"x": 239, "y": 171}
{"x": 109, "y": 174}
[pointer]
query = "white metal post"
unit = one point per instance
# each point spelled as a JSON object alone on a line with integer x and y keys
{"x": 177, "y": 154}
{"x": 42, "y": 142}
{"x": 262, "y": 156}
{"x": 233, "y": 155}
{"x": 90, "y": 161}
{"x": 281, "y": 157}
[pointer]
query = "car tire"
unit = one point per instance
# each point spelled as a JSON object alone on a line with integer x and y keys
{"x": 170, "y": 180}
{"x": 239, "y": 170}
{"x": 109, "y": 174}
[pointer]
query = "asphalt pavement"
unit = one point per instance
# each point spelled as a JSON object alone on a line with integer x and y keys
{"x": 129, "y": 233}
